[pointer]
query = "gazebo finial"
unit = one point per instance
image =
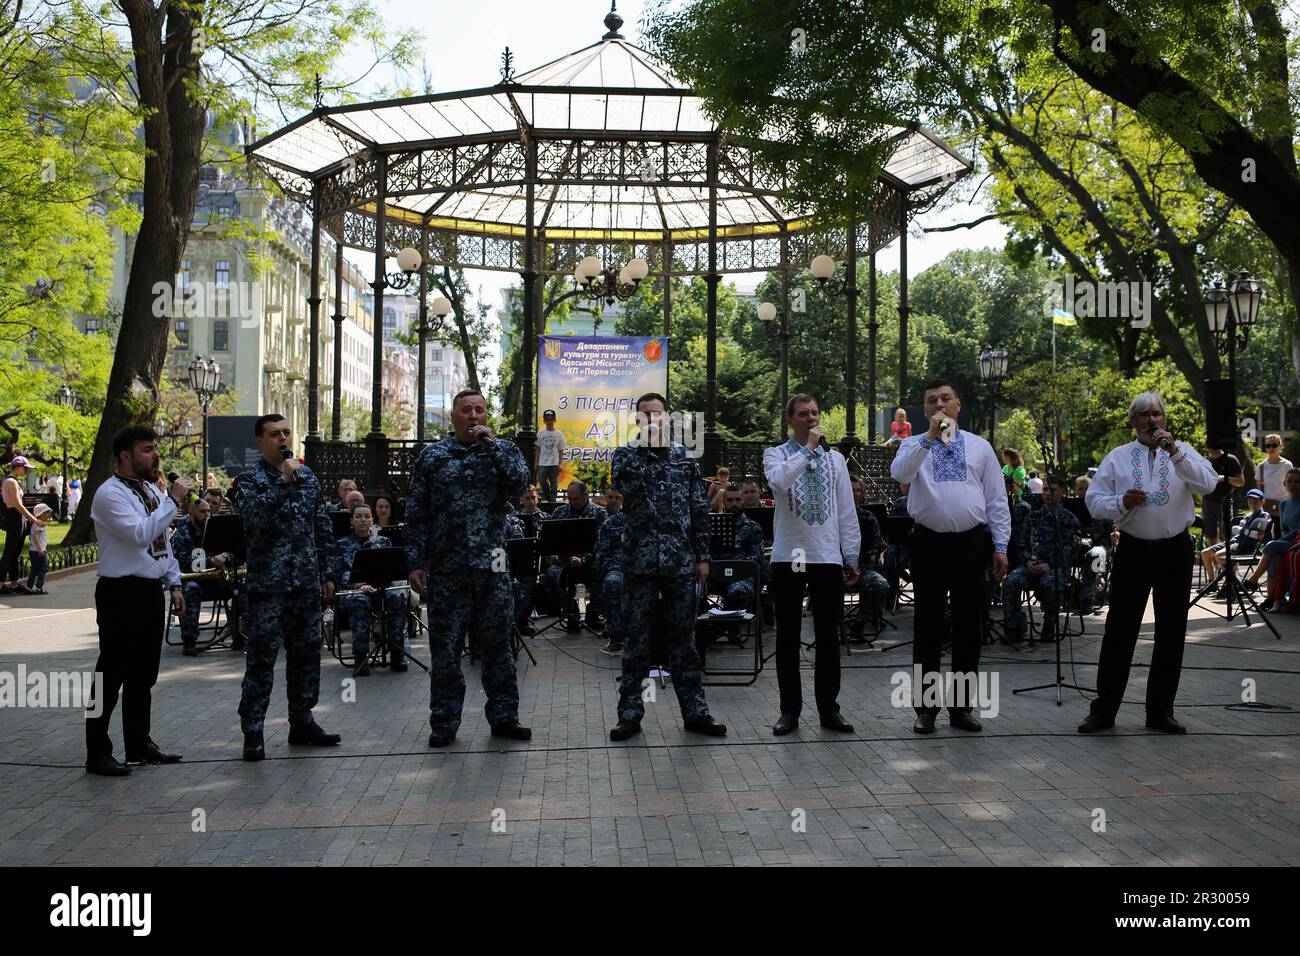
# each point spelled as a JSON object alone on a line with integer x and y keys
{"x": 612, "y": 22}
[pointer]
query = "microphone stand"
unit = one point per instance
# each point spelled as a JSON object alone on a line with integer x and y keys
{"x": 1060, "y": 681}
{"x": 1227, "y": 579}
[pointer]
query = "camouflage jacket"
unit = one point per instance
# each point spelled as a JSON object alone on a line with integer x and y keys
{"x": 287, "y": 534}
{"x": 458, "y": 502}
{"x": 186, "y": 539}
{"x": 592, "y": 510}
{"x": 749, "y": 543}
{"x": 666, "y": 531}
{"x": 872, "y": 541}
{"x": 608, "y": 555}
{"x": 1042, "y": 543}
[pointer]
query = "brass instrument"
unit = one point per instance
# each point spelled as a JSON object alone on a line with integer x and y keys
{"x": 215, "y": 574}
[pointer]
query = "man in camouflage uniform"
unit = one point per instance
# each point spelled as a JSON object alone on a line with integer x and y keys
{"x": 290, "y": 547}
{"x": 361, "y": 600}
{"x": 1045, "y": 547}
{"x": 456, "y": 511}
{"x": 739, "y": 595}
{"x": 607, "y": 567}
{"x": 565, "y": 574}
{"x": 872, "y": 588}
{"x": 187, "y": 545}
{"x": 1101, "y": 532}
{"x": 665, "y": 551}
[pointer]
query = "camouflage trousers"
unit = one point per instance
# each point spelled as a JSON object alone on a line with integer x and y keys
{"x": 640, "y": 595}
{"x": 295, "y": 619}
{"x": 523, "y": 590}
{"x": 361, "y": 608}
{"x": 737, "y": 596}
{"x": 195, "y": 594}
{"x": 611, "y": 604}
{"x": 474, "y": 604}
{"x": 1046, "y": 586}
{"x": 872, "y": 590}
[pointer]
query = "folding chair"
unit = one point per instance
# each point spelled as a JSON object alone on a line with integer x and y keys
{"x": 749, "y": 622}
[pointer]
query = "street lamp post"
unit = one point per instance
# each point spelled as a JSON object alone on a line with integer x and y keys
{"x": 441, "y": 307}
{"x": 767, "y": 312}
{"x": 205, "y": 378}
{"x": 66, "y": 398}
{"x": 1231, "y": 312}
{"x": 993, "y": 369}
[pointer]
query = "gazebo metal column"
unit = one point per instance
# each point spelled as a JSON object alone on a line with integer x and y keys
{"x": 851, "y": 357}
{"x": 712, "y": 440}
{"x": 784, "y": 334}
{"x": 902, "y": 302}
{"x": 376, "y": 447}
{"x": 668, "y": 284}
{"x": 336, "y": 394}
{"x": 423, "y": 330}
{"x": 313, "y": 331}
{"x": 872, "y": 328}
{"x": 527, "y": 434}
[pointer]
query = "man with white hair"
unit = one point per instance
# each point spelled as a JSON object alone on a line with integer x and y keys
{"x": 1146, "y": 488}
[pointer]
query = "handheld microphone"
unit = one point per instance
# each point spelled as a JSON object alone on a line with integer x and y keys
{"x": 286, "y": 454}
{"x": 171, "y": 477}
{"x": 486, "y": 440}
{"x": 1165, "y": 443}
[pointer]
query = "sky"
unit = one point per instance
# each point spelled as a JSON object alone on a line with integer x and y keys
{"x": 464, "y": 42}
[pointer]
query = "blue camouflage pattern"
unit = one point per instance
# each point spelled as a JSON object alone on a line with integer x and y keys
{"x": 294, "y": 618}
{"x": 360, "y": 606}
{"x": 872, "y": 587}
{"x": 666, "y": 524}
{"x": 288, "y": 536}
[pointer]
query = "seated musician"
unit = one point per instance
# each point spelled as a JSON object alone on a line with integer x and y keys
{"x": 217, "y": 504}
{"x": 345, "y": 486}
{"x": 872, "y": 588}
{"x": 187, "y": 545}
{"x": 739, "y": 595}
{"x": 1251, "y": 531}
{"x": 1100, "y": 536}
{"x": 564, "y": 576}
{"x": 751, "y": 494}
{"x": 894, "y": 564}
{"x": 361, "y": 600}
{"x": 383, "y": 512}
{"x": 607, "y": 566}
{"x": 1042, "y": 553}
{"x": 524, "y": 590}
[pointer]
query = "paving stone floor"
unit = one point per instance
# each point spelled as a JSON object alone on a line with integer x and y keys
{"x": 1029, "y": 790}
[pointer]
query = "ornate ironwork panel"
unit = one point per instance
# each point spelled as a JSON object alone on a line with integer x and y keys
{"x": 335, "y": 460}
{"x": 355, "y": 184}
{"x": 871, "y": 463}
{"x": 745, "y": 458}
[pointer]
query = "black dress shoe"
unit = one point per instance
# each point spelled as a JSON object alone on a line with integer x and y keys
{"x": 625, "y": 730}
{"x": 253, "y": 746}
{"x": 1165, "y": 724}
{"x": 151, "y": 754}
{"x": 398, "y": 666}
{"x": 106, "y": 765}
{"x": 1096, "y": 722}
{"x": 785, "y": 724}
{"x": 836, "y": 721}
{"x": 965, "y": 720}
{"x": 512, "y": 730}
{"x": 441, "y": 738}
{"x": 189, "y": 650}
{"x": 312, "y": 735}
{"x": 705, "y": 725}
{"x": 924, "y": 724}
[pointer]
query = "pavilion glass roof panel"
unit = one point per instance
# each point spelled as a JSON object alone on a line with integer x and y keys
{"x": 613, "y": 63}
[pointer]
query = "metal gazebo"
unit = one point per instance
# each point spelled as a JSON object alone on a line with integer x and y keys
{"x": 602, "y": 152}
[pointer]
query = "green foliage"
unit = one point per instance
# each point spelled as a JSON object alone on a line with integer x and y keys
{"x": 746, "y": 386}
{"x": 834, "y": 422}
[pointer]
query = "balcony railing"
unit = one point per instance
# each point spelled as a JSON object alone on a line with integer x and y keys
{"x": 274, "y": 361}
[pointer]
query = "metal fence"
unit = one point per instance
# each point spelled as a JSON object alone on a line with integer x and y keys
{"x": 62, "y": 558}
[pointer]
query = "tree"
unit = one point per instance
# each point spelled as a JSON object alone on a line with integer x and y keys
{"x": 187, "y": 59}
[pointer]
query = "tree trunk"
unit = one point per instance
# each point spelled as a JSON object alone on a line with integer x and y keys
{"x": 173, "y": 137}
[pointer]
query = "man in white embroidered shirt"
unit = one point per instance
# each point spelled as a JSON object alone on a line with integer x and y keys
{"x": 1146, "y": 488}
{"x": 956, "y": 497}
{"x": 132, "y": 516}
{"x": 815, "y": 548}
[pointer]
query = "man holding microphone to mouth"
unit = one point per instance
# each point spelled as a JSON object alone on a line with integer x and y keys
{"x": 1146, "y": 488}
{"x": 290, "y": 546}
{"x": 955, "y": 491}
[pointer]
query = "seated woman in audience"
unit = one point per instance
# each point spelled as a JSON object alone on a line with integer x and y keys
{"x": 1275, "y": 551}
{"x": 383, "y": 511}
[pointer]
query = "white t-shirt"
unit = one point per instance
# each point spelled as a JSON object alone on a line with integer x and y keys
{"x": 549, "y": 444}
{"x": 1035, "y": 486}
{"x": 1270, "y": 478}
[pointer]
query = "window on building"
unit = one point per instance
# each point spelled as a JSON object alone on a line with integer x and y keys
{"x": 183, "y": 277}
{"x": 221, "y": 335}
{"x": 223, "y": 273}
{"x": 182, "y": 328}
{"x": 223, "y": 213}
{"x": 435, "y": 355}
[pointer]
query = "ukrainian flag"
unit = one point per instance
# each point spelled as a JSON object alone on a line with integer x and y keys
{"x": 1061, "y": 317}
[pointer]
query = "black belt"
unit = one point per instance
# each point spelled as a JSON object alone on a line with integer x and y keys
{"x": 978, "y": 529}
{"x": 135, "y": 581}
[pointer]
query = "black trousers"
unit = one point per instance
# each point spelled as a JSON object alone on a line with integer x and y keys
{"x": 1141, "y": 567}
{"x": 11, "y": 522}
{"x": 947, "y": 566}
{"x": 825, "y": 585}
{"x": 130, "y": 613}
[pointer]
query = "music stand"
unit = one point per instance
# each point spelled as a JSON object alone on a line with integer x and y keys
{"x": 566, "y": 537}
{"x": 764, "y": 518}
{"x": 394, "y": 535}
{"x": 722, "y": 532}
{"x": 880, "y": 510}
{"x": 341, "y": 522}
{"x": 1079, "y": 508}
{"x": 379, "y": 567}
{"x": 531, "y": 522}
{"x": 524, "y": 560}
{"x": 224, "y": 534}
{"x": 896, "y": 529}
